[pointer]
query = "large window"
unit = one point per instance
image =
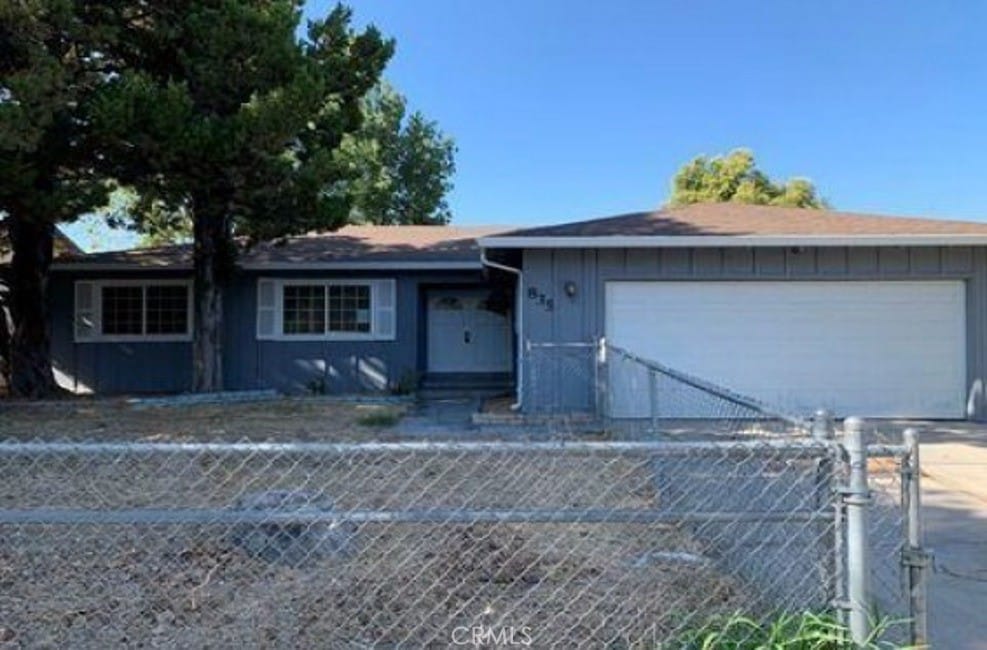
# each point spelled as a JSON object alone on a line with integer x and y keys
{"x": 166, "y": 309}
{"x": 123, "y": 310}
{"x": 128, "y": 310}
{"x": 326, "y": 308}
{"x": 304, "y": 309}
{"x": 350, "y": 309}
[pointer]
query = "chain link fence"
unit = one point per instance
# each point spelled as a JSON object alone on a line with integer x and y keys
{"x": 637, "y": 398}
{"x": 722, "y": 506}
{"x": 630, "y": 396}
{"x": 595, "y": 544}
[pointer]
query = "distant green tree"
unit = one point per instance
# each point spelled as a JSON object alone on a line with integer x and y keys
{"x": 155, "y": 222}
{"x": 400, "y": 166}
{"x": 223, "y": 114}
{"x": 736, "y": 178}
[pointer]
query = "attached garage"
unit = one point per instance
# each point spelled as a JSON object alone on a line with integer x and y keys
{"x": 802, "y": 309}
{"x": 872, "y": 348}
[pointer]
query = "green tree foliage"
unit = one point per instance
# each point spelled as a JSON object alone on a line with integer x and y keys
{"x": 157, "y": 223}
{"x": 53, "y": 62}
{"x": 400, "y": 166}
{"x": 397, "y": 170}
{"x": 736, "y": 178}
{"x": 223, "y": 114}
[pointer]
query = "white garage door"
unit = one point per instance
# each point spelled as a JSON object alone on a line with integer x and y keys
{"x": 884, "y": 349}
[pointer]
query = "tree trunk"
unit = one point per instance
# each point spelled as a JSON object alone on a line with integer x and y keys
{"x": 5, "y": 334}
{"x": 30, "y": 346}
{"x": 212, "y": 236}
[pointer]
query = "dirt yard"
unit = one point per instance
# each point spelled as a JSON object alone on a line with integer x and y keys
{"x": 301, "y": 419}
{"x": 89, "y": 585}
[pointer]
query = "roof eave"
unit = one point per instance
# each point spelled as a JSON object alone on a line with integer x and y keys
{"x": 280, "y": 266}
{"x": 729, "y": 241}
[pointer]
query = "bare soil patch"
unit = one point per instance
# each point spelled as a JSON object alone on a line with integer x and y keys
{"x": 402, "y": 585}
{"x": 298, "y": 419}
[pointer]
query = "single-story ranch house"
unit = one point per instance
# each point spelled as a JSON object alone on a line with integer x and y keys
{"x": 876, "y": 316}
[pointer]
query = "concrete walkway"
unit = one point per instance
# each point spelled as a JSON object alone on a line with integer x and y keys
{"x": 954, "y": 464}
{"x": 440, "y": 418}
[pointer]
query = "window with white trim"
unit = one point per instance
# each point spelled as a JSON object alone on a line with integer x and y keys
{"x": 326, "y": 309}
{"x": 133, "y": 310}
{"x": 304, "y": 309}
{"x": 348, "y": 308}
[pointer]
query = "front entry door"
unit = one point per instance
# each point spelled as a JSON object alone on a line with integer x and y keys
{"x": 465, "y": 334}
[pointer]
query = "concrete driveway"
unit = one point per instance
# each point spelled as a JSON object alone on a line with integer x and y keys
{"x": 954, "y": 464}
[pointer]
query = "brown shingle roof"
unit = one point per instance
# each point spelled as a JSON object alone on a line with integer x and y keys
{"x": 362, "y": 245}
{"x": 735, "y": 219}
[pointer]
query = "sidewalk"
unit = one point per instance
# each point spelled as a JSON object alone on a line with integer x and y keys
{"x": 954, "y": 464}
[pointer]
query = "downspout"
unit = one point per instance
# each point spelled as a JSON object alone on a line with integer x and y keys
{"x": 519, "y": 299}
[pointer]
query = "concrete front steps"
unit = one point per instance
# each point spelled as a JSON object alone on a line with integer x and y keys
{"x": 465, "y": 385}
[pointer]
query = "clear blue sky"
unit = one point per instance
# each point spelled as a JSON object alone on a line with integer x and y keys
{"x": 566, "y": 109}
{"x": 569, "y": 109}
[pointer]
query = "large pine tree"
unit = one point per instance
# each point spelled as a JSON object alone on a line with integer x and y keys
{"x": 222, "y": 113}
{"x": 54, "y": 59}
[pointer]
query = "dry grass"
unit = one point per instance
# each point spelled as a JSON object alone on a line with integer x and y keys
{"x": 405, "y": 585}
{"x": 409, "y": 586}
{"x": 300, "y": 419}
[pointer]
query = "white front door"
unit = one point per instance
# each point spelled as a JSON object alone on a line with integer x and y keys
{"x": 465, "y": 334}
{"x": 885, "y": 348}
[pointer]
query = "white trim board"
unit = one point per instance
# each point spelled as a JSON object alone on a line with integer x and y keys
{"x": 731, "y": 241}
{"x": 90, "y": 318}
{"x": 281, "y": 266}
{"x": 270, "y": 309}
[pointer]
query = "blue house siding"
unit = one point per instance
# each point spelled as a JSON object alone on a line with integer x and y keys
{"x": 248, "y": 363}
{"x": 118, "y": 367}
{"x": 580, "y": 318}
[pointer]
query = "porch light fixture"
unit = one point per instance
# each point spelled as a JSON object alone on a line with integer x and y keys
{"x": 570, "y": 288}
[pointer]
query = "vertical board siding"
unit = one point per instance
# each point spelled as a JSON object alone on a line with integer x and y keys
{"x": 892, "y": 260}
{"x": 925, "y": 261}
{"x": 565, "y": 311}
{"x": 584, "y": 314}
{"x": 642, "y": 261}
{"x": 676, "y": 261}
{"x": 708, "y": 262}
{"x": 976, "y": 331}
{"x": 801, "y": 261}
{"x": 538, "y": 282}
{"x": 769, "y": 262}
{"x": 958, "y": 259}
{"x": 739, "y": 261}
{"x": 862, "y": 261}
{"x": 108, "y": 366}
{"x": 289, "y": 366}
{"x": 831, "y": 262}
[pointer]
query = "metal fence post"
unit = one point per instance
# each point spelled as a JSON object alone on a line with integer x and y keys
{"x": 857, "y": 500}
{"x": 533, "y": 379}
{"x": 602, "y": 380}
{"x": 830, "y": 561}
{"x": 822, "y": 425}
{"x": 914, "y": 556}
{"x": 653, "y": 399}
